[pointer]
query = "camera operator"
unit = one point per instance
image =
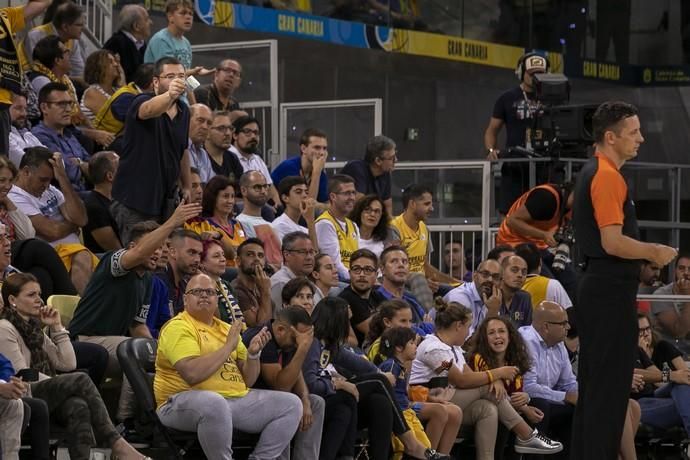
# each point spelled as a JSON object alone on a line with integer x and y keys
{"x": 541, "y": 216}
{"x": 516, "y": 109}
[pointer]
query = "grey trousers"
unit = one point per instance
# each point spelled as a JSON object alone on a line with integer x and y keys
{"x": 274, "y": 414}
{"x": 308, "y": 443}
{"x": 11, "y": 416}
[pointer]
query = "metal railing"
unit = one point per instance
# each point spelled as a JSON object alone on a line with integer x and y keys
{"x": 98, "y": 14}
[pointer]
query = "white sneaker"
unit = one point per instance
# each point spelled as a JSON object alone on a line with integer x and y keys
{"x": 537, "y": 444}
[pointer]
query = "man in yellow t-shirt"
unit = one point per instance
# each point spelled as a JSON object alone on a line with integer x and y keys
{"x": 409, "y": 231}
{"x": 13, "y": 20}
{"x": 203, "y": 379}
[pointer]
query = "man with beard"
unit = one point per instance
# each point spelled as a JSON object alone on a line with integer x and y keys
{"x": 115, "y": 305}
{"x": 254, "y": 187}
{"x": 410, "y": 232}
{"x": 154, "y": 152}
{"x": 20, "y": 133}
{"x": 673, "y": 318}
{"x": 245, "y": 143}
{"x": 219, "y": 94}
{"x": 184, "y": 259}
{"x": 650, "y": 277}
{"x": 454, "y": 260}
{"x": 337, "y": 235}
{"x": 298, "y": 260}
{"x": 223, "y": 161}
{"x": 360, "y": 295}
{"x": 516, "y": 304}
{"x": 252, "y": 285}
{"x": 482, "y": 294}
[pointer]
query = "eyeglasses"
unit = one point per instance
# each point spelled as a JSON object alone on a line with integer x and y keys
{"x": 260, "y": 187}
{"x": 303, "y": 252}
{"x": 248, "y": 131}
{"x": 644, "y": 330}
{"x": 357, "y": 270}
{"x": 222, "y": 129}
{"x": 172, "y": 76}
{"x": 487, "y": 274}
{"x": 231, "y": 71}
{"x": 393, "y": 158}
{"x": 376, "y": 212}
{"x": 64, "y": 105}
{"x": 565, "y": 323}
{"x": 199, "y": 292}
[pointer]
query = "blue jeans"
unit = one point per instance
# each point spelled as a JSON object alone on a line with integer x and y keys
{"x": 669, "y": 407}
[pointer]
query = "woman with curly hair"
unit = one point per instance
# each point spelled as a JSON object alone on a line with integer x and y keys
{"x": 497, "y": 343}
{"x": 371, "y": 217}
{"x": 104, "y": 75}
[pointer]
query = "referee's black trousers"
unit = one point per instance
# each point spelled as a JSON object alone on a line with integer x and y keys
{"x": 607, "y": 326}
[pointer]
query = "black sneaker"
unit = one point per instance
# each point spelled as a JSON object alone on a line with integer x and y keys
{"x": 431, "y": 454}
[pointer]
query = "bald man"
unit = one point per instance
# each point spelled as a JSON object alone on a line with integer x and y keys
{"x": 550, "y": 382}
{"x": 516, "y": 304}
{"x": 199, "y": 127}
{"x": 483, "y": 295}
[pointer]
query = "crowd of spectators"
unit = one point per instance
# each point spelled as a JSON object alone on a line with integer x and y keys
{"x": 286, "y": 302}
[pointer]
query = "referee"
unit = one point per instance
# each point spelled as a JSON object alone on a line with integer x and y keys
{"x": 607, "y": 237}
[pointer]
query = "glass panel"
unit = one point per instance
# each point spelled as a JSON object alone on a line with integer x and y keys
{"x": 256, "y": 70}
{"x": 348, "y": 129}
{"x": 650, "y": 189}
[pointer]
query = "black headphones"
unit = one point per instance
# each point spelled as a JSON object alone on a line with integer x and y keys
{"x": 520, "y": 68}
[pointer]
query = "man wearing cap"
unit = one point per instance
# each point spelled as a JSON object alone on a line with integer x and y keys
{"x": 514, "y": 109}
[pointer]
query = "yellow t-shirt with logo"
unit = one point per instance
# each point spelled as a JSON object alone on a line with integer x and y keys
{"x": 184, "y": 337}
{"x": 348, "y": 242}
{"x": 536, "y": 286}
{"x": 415, "y": 243}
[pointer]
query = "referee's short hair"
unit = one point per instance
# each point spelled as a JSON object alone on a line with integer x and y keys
{"x": 608, "y": 115}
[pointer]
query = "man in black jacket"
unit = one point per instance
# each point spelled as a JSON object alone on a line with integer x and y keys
{"x": 129, "y": 42}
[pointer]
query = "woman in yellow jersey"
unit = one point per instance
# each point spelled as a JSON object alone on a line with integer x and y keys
{"x": 217, "y": 217}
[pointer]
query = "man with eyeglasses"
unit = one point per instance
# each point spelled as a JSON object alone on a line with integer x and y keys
{"x": 219, "y": 95}
{"x": 55, "y": 132}
{"x": 360, "y": 294}
{"x": 154, "y": 155}
{"x": 337, "y": 235}
{"x": 483, "y": 295}
{"x": 373, "y": 174}
{"x": 218, "y": 143}
{"x": 20, "y": 132}
{"x": 254, "y": 188}
{"x": 309, "y": 165}
{"x": 550, "y": 382}
{"x": 246, "y": 137}
{"x": 298, "y": 260}
{"x": 298, "y": 207}
{"x": 68, "y": 24}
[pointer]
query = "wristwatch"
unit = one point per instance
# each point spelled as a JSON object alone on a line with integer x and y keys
{"x": 490, "y": 151}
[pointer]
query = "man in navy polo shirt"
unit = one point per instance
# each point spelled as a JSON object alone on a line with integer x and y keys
{"x": 373, "y": 174}
{"x": 313, "y": 147}
{"x": 154, "y": 151}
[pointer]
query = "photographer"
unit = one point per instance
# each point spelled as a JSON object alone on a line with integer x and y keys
{"x": 541, "y": 216}
{"x": 516, "y": 109}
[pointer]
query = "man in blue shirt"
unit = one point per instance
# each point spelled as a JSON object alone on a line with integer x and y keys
{"x": 516, "y": 304}
{"x": 550, "y": 382}
{"x": 313, "y": 146}
{"x": 56, "y": 133}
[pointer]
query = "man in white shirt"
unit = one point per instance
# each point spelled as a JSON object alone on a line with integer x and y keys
{"x": 20, "y": 134}
{"x": 56, "y": 215}
{"x": 254, "y": 187}
{"x": 294, "y": 194}
{"x": 245, "y": 143}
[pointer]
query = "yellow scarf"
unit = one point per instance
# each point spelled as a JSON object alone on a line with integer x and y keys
{"x": 40, "y": 68}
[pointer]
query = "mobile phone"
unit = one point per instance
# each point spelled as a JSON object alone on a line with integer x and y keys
{"x": 27, "y": 375}
{"x": 192, "y": 83}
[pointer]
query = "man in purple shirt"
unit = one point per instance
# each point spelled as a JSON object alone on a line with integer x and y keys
{"x": 55, "y": 131}
{"x": 550, "y": 382}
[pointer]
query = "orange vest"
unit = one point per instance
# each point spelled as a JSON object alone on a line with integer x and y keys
{"x": 507, "y": 236}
